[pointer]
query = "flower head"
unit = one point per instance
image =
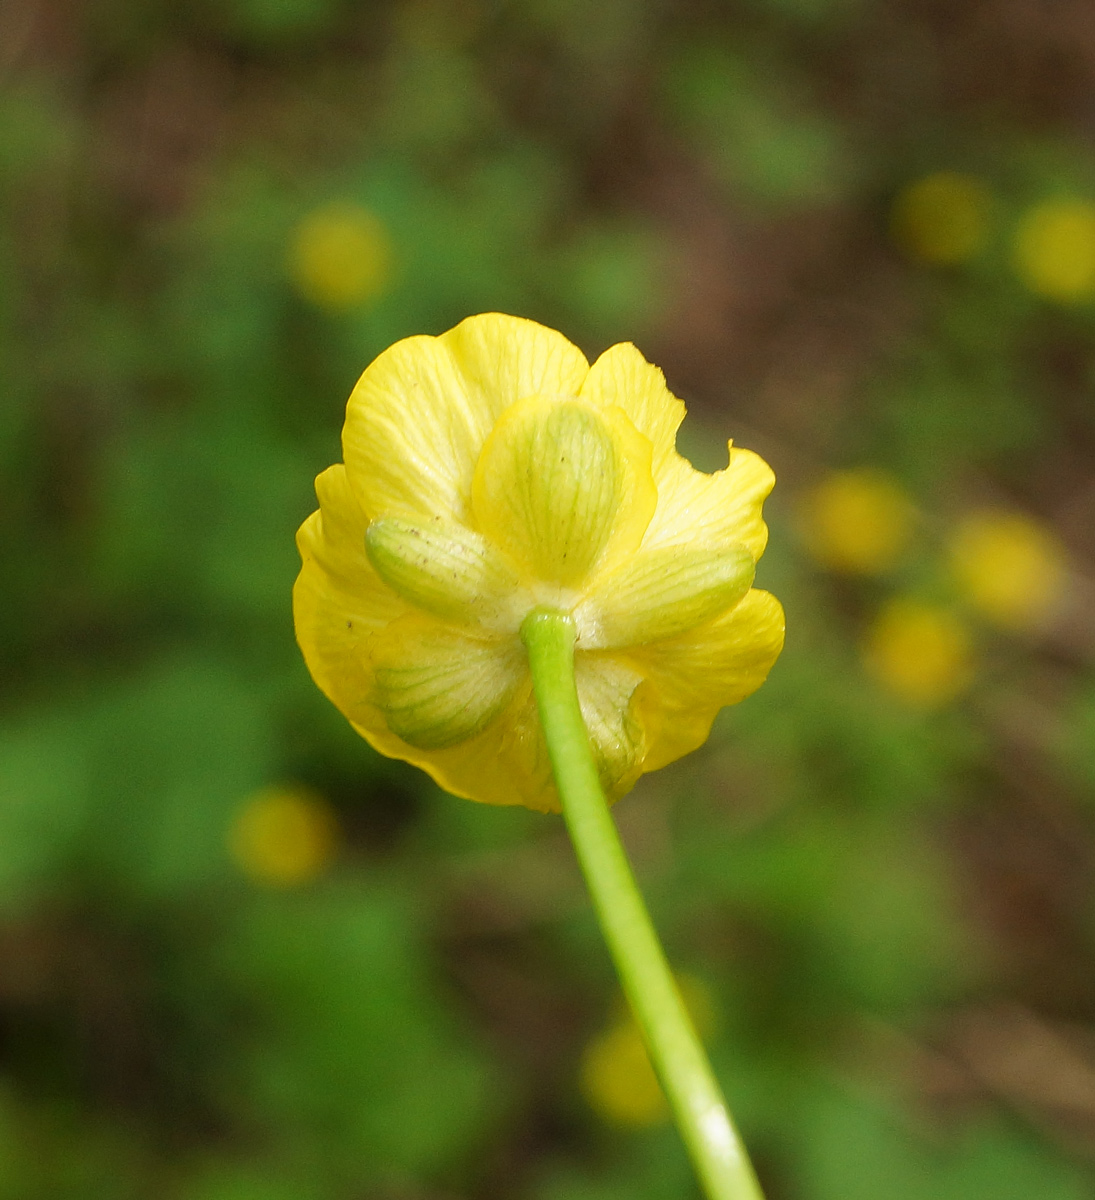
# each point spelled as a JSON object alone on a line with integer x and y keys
{"x": 1009, "y": 568}
{"x": 284, "y": 835}
{"x": 920, "y": 652}
{"x": 618, "y": 1080}
{"x": 942, "y": 218}
{"x": 1054, "y": 250}
{"x": 490, "y": 472}
{"x": 340, "y": 257}
{"x": 857, "y": 521}
{"x": 617, "y": 1077}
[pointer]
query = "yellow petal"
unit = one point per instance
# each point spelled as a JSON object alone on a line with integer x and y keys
{"x": 418, "y": 416}
{"x": 606, "y": 691}
{"x": 689, "y": 678}
{"x": 622, "y": 378}
{"x": 445, "y": 569}
{"x": 332, "y": 639}
{"x": 436, "y": 687}
{"x": 503, "y": 359}
{"x": 412, "y": 434}
{"x": 717, "y": 509}
{"x": 339, "y": 601}
{"x": 335, "y": 537}
{"x": 505, "y": 764}
{"x": 559, "y": 483}
{"x": 525, "y": 753}
{"x": 661, "y": 593}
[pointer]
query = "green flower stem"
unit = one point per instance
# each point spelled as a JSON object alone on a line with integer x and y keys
{"x": 678, "y": 1057}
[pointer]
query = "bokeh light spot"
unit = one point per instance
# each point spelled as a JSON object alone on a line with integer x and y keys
{"x": 919, "y": 652}
{"x": 1054, "y": 250}
{"x": 617, "y": 1078}
{"x": 284, "y": 835}
{"x": 340, "y": 257}
{"x": 856, "y": 521}
{"x": 942, "y": 218}
{"x": 1008, "y": 567}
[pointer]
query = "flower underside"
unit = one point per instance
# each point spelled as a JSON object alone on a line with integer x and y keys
{"x": 491, "y": 472}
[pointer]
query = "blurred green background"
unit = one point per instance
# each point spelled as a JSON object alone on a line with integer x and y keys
{"x": 242, "y": 957}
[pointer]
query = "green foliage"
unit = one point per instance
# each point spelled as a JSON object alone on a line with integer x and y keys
{"x": 854, "y": 877}
{"x": 856, "y": 1146}
{"x": 760, "y": 137}
{"x": 356, "y": 1061}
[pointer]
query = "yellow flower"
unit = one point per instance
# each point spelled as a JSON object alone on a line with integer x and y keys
{"x": 856, "y": 521}
{"x": 340, "y": 256}
{"x": 283, "y": 835}
{"x": 1054, "y": 250}
{"x": 942, "y": 218}
{"x": 618, "y": 1080}
{"x": 617, "y": 1077}
{"x": 490, "y": 472}
{"x": 1008, "y": 567}
{"x": 920, "y": 652}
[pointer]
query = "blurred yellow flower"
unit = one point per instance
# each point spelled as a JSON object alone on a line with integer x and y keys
{"x": 283, "y": 835}
{"x": 616, "y": 1076}
{"x": 942, "y": 218}
{"x": 490, "y": 472}
{"x": 618, "y": 1081}
{"x": 858, "y": 521}
{"x": 1008, "y": 567}
{"x": 340, "y": 256}
{"x": 1054, "y": 250}
{"x": 920, "y": 652}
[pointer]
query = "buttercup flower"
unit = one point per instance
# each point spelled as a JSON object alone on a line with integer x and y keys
{"x": 1054, "y": 250}
{"x": 490, "y": 472}
{"x": 340, "y": 256}
{"x": 1011, "y": 569}
{"x": 942, "y": 218}
{"x": 857, "y": 521}
{"x": 618, "y": 1080}
{"x": 617, "y": 1077}
{"x": 284, "y": 835}
{"x": 920, "y": 652}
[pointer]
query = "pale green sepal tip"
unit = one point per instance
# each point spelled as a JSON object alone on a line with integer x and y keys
{"x": 548, "y": 487}
{"x": 424, "y": 710}
{"x": 441, "y": 568}
{"x": 663, "y": 593}
{"x": 438, "y": 688}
